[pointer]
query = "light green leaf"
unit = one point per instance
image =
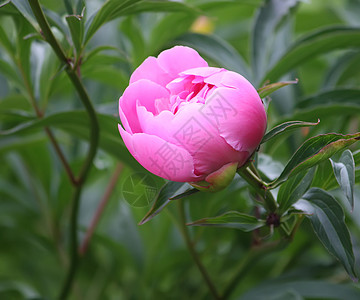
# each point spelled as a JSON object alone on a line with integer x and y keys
{"x": 292, "y": 190}
{"x": 231, "y": 219}
{"x": 285, "y": 127}
{"x": 344, "y": 171}
{"x": 270, "y": 88}
{"x": 328, "y": 221}
{"x": 316, "y": 43}
{"x": 313, "y": 151}
{"x": 169, "y": 190}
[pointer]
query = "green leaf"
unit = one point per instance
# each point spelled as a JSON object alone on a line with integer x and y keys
{"x": 328, "y": 221}
{"x": 231, "y": 219}
{"x": 292, "y": 190}
{"x": 268, "y": 18}
{"x": 270, "y": 88}
{"x": 338, "y": 96}
{"x": 76, "y": 26}
{"x": 316, "y": 43}
{"x": 76, "y": 123}
{"x": 216, "y": 49}
{"x": 187, "y": 193}
{"x": 324, "y": 176}
{"x": 285, "y": 127}
{"x": 344, "y": 171}
{"x": 309, "y": 289}
{"x": 24, "y": 8}
{"x": 313, "y": 151}
{"x": 113, "y": 9}
{"x": 163, "y": 199}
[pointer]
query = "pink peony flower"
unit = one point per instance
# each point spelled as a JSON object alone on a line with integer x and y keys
{"x": 184, "y": 120}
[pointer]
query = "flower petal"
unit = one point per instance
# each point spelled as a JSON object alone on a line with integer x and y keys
{"x": 151, "y": 70}
{"x": 160, "y": 157}
{"x": 178, "y": 59}
{"x": 147, "y": 93}
{"x": 239, "y": 115}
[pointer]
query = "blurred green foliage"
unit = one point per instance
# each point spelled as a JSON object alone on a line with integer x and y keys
{"x": 317, "y": 42}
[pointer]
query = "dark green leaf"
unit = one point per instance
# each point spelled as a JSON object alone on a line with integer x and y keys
{"x": 292, "y": 190}
{"x": 328, "y": 221}
{"x": 163, "y": 199}
{"x": 113, "y": 9}
{"x": 268, "y": 17}
{"x": 76, "y": 123}
{"x": 315, "y": 289}
{"x": 285, "y": 127}
{"x": 76, "y": 26}
{"x": 340, "y": 96}
{"x": 188, "y": 192}
{"x": 344, "y": 171}
{"x": 270, "y": 88}
{"x": 231, "y": 219}
{"x": 319, "y": 42}
{"x": 216, "y": 49}
{"x": 313, "y": 151}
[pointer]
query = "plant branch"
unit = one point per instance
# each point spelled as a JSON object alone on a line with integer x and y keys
{"x": 94, "y": 140}
{"x": 259, "y": 187}
{"x": 191, "y": 248}
{"x": 100, "y": 209}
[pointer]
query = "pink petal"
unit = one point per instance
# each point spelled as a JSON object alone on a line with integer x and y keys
{"x": 160, "y": 157}
{"x": 190, "y": 130}
{"x": 178, "y": 59}
{"x": 239, "y": 115}
{"x": 151, "y": 70}
{"x": 145, "y": 92}
{"x": 202, "y": 72}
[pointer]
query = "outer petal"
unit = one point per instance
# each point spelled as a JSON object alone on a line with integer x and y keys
{"x": 178, "y": 59}
{"x": 239, "y": 115}
{"x": 190, "y": 130}
{"x": 151, "y": 70}
{"x": 160, "y": 157}
{"x": 144, "y": 92}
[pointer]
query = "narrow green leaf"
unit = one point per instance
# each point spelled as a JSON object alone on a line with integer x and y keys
{"x": 216, "y": 49}
{"x": 188, "y": 192}
{"x": 285, "y": 127}
{"x": 324, "y": 177}
{"x": 163, "y": 199}
{"x": 328, "y": 221}
{"x": 268, "y": 17}
{"x": 316, "y": 43}
{"x": 338, "y": 96}
{"x": 309, "y": 289}
{"x": 270, "y": 88}
{"x": 344, "y": 171}
{"x": 76, "y": 26}
{"x": 292, "y": 190}
{"x": 24, "y": 8}
{"x": 313, "y": 151}
{"x": 76, "y": 123}
{"x": 113, "y": 9}
{"x": 231, "y": 219}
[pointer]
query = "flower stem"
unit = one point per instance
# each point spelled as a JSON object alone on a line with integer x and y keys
{"x": 94, "y": 140}
{"x": 260, "y": 187}
{"x": 194, "y": 254}
{"x": 100, "y": 209}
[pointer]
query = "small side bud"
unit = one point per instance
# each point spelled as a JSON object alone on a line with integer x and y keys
{"x": 217, "y": 180}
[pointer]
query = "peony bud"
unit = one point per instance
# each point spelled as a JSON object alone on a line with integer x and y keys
{"x": 188, "y": 122}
